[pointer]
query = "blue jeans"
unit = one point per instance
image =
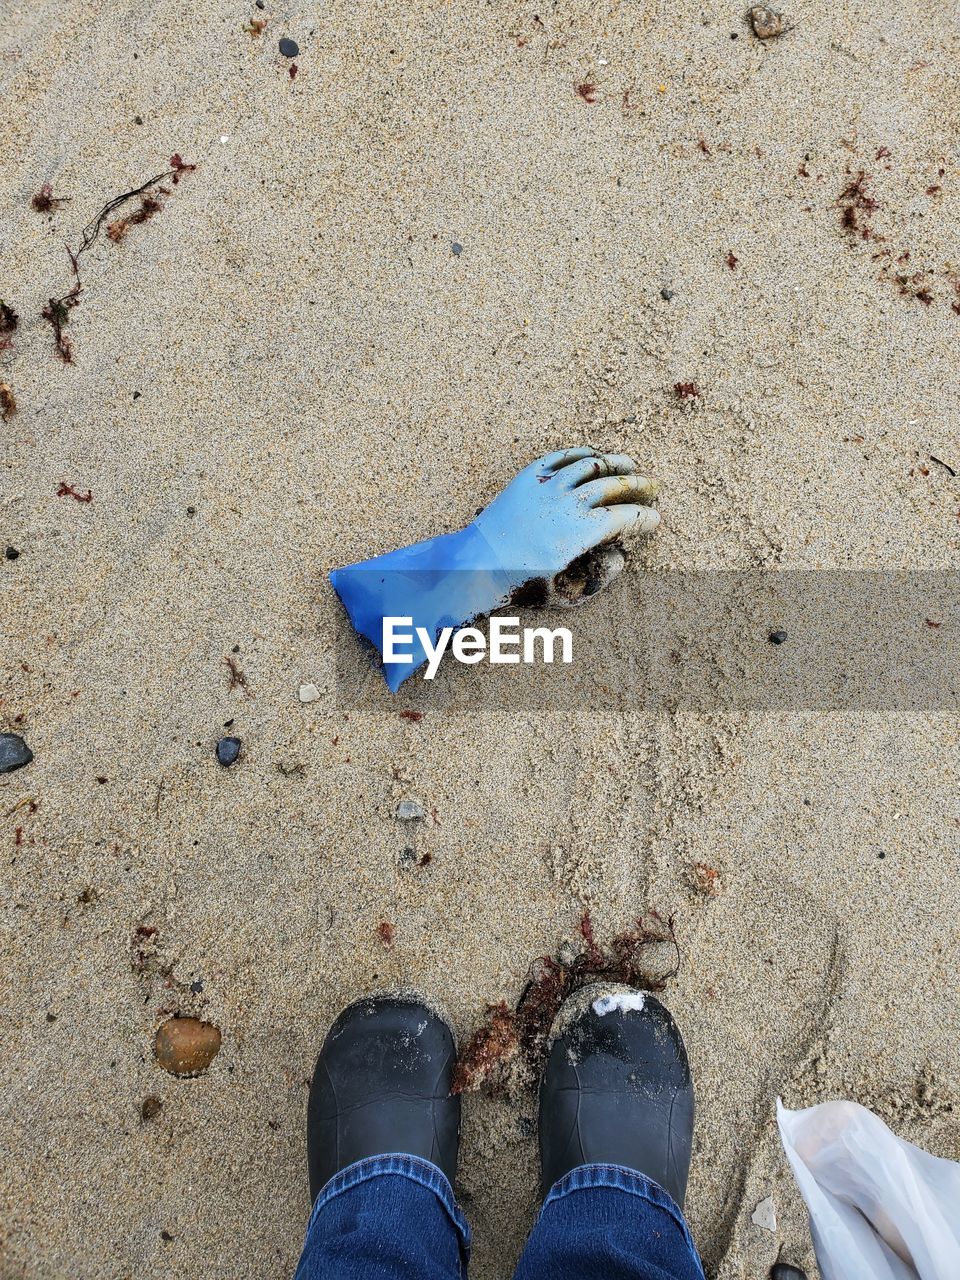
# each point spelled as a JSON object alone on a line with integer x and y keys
{"x": 395, "y": 1218}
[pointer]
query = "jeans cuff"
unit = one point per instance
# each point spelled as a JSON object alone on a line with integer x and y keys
{"x": 587, "y": 1176}
{"x": 404, "y": 1166}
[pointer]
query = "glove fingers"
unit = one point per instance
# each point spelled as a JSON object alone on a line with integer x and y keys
{"x": 626, "y": 518}
{"x": 596, "y": 466}
{"x": 562, "y": 457}
{"x": 616, "y": 489}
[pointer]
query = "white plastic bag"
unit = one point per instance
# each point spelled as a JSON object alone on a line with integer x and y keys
{"x": 880, "y": 1208}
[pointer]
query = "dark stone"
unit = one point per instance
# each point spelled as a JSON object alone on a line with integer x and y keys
{"x": 196, "y": 987}
{"x": 136, "y": 395}
{"x": 14, "y": 752}
{"x": 228, "y": 750}
{"x": 260, "y": 4}
{"x": 777, "y": 637}
{"x": 138, "y": 119}
{"x": 456, "y": 249}
{"x": 12, "y": 553}
{"x": 289, "y": 48}
{"x": 666, "y": 294}
{"x": 191, "y": 511}
{"x": 150, "y": 1108}
{"x": 783, "y": 1271}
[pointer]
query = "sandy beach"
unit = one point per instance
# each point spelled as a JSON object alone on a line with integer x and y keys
{"x": 455, "y": 238}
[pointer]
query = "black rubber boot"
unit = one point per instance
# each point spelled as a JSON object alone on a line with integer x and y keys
{"x": 382, "y": 1085}
{"x": 617, "y": 1089}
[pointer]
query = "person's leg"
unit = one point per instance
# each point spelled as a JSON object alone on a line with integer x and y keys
{"x": 616, "y": 1131}
{"x": 383, "y": 1133}
{"x": 607, "y": 1222}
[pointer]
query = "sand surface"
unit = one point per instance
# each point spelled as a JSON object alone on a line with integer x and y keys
{"x": 288, "y": 368}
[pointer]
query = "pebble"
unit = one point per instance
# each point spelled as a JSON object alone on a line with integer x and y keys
{"x": 14, "y": 752}
{"x": 12, "y": 553}
{"x": 777, "y": 637}
{"x": 766, "y": 22}
{"x": 289, "y": 48}
{"x": 150, "y": 1108}
{"x": 666, "y": 294}
{"x": 764, "y": 1215}
{"x": 309, "y": 693}
{"x": 228, "y": 750}
{"x": 456, "y": 249}
{"x": 186, "y": 1046}
{"x": 410, "y": 811}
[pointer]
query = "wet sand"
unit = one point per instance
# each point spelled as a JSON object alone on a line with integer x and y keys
{"x": 288, "y": 368}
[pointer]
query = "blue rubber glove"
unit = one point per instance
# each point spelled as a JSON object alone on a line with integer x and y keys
{"x": 556, "y": 510}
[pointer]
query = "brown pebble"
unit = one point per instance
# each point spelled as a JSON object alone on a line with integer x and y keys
{"x": 766, "y": 22}
{"x": 187, "y": 1046}
{"x": 150, "y": 1108}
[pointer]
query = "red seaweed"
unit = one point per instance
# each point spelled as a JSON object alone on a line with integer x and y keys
{"x": 57, "y": 312}
{"x": 857, "y": 207}
{"x": 508, "y": 1049}
{"x": 68, "y": 491}
{"x": 45, "y": 200}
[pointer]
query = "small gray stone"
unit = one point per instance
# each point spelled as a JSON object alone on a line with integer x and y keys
{"x": 410, "y": 811}
{"x": 289, "y": 48}
{"x": 777, "y": 637}
{"x": 228, "y": 750}
{"x": 666, "y": 294}
{"x": 764, "y": 1215}
{"x": 14, "y": 752}
{"x": 456, "y": 249}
